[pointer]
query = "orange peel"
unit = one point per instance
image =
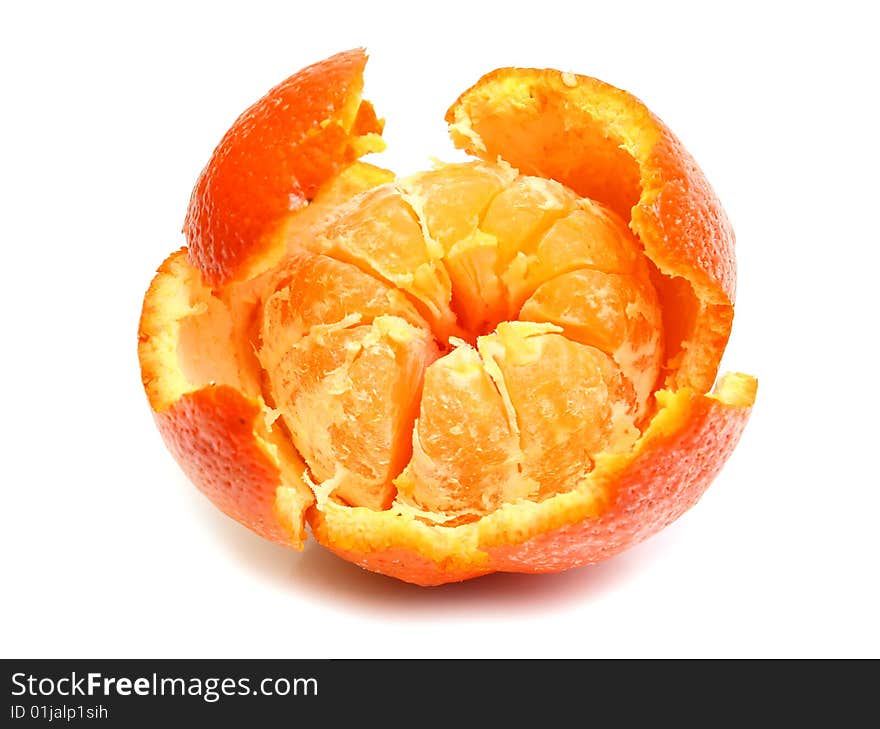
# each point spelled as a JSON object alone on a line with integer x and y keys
{"x": 503, "y": 365}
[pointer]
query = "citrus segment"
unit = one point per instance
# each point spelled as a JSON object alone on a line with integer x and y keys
{"x": 311, "y": 290}
{"x": 565, "y": 413}
{"x": 349, "y": 395}
{"x": 524, "y": 210}
{"x": 379, "y": 232}
{"x": 452, "y": 199}
{"x": 616, "y": 313}
{"x": 465, "y": 447}
{"x": 588, "y": 237}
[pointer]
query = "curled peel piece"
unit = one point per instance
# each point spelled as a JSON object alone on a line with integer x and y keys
{"x": 260, "y": 384}
{"x": 273, "y": 161}
{"x": 216, "y": 431}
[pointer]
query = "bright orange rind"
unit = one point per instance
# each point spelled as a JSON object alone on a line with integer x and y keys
{"x": 501, "y": 365}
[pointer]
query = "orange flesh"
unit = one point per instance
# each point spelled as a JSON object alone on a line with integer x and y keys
{"x": 362, "y": 380}
{"x": 447, "y": 343}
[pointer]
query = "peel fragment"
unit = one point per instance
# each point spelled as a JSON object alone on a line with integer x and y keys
{"x": 217, "y": 432}
{"x": 303, "y": 133}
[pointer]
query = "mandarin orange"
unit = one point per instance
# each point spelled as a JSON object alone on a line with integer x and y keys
{"x": 501, "y": 364}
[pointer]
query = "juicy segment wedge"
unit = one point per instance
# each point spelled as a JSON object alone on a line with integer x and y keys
{"x": 344, "y": 355}
{"x": 310, "y": 291}
{"x": 618, "y": 314}
{"x": 565, "y": 414}
{"x": 496, "y": 365}
{"x": 465, "y": 446}
{"x": 380, "y": 233}
{"x": 348, "y": 396}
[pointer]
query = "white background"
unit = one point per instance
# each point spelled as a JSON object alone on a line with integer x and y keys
{"x": 108, "y": 114}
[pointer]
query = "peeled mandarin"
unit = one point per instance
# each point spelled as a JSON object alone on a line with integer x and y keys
{"x": 502, "y": 364}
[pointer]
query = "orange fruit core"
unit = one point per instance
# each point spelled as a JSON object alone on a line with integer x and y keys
{"x": 459, "y": 339}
